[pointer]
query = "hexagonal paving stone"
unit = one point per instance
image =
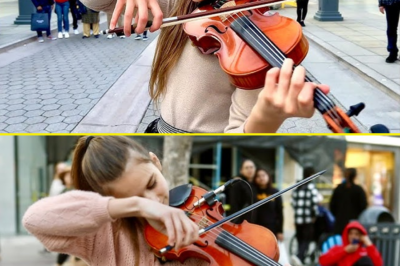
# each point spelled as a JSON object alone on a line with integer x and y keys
{"x": 16, "y": 107}
{"x": 15, "y": 101}
{"x": 16, "y": 128}
{"x": 49, "y": 101}
{"x": 50, "y": 107}
{"x": 54, "y": 119}
{"x": 48, "y": 96}
{"x": 32, "y": 96}
{"x": 36, "y": 128}
{"x": 52, "y": 113}
{"x": 15, "y": 96}
{"x": 32, "y": 107}
{"x": 34, "y": 113}
{"x": 65, "y": 101}
{"x": 73, "y": 119}
{"x": 16, "y": 113}
{"x": 56, "y": 127}
{"x": 34, "y": 120}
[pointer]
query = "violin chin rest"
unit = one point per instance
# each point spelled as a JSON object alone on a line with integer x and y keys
{"x": 179, "y": 195}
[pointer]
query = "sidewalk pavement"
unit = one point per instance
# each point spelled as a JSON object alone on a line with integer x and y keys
{"x": 348, "y": 55}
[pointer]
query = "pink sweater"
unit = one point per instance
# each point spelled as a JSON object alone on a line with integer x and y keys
{"x": 78, "y": 223}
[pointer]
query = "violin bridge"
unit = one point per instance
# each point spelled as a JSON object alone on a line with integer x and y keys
{"x": 203, "y": 223}
{"x": 227, "y": 4}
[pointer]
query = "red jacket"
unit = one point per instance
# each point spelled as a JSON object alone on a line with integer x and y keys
{"x": 337, "y": 256}
{"x": 61, "y": 1}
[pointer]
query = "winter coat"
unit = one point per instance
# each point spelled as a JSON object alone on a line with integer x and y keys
{"x": 337, "y": 256}
{"x": 42, "y": 3}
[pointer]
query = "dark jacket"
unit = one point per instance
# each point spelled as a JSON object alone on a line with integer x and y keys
{"x": 42, "y": 3}
{"x": 270, "y": 214}
{"x": 337, "y": 256}
{"x": 346, "y": 204}
{"x": 239, "y": 197}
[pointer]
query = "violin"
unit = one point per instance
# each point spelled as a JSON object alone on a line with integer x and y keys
{"x": 221, "y": 243}
{"x": 249, "y": 43}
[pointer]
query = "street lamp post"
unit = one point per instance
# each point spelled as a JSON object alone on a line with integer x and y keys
{"x": 328, "y": 11}
{"x": 26, "y": 8}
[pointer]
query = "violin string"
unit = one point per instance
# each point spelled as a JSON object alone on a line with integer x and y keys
{"x": 326, "y": 103}
{"x": 240, "y": 244}
{"x": 276, "y": 54}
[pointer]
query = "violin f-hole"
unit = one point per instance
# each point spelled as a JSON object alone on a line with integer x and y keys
{"x": 216, "y": 29}
{"x": 201, "y": 246}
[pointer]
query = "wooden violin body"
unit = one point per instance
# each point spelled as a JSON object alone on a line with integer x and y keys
{"x": 229, "y": 245}
{"x": 245, "y": 67}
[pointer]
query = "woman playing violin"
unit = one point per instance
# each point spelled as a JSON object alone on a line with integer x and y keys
{"x": 120, "y": 187}
{"x": 194, "y": 93}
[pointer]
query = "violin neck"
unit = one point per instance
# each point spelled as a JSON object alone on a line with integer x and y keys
{"x": 256, "y": 39}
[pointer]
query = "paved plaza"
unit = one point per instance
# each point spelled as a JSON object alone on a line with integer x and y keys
{"x": 100, "y": 85}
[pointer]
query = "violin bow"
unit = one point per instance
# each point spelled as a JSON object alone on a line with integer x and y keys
{"x": 171, "y": 21}
{"x": 250, "y": 208}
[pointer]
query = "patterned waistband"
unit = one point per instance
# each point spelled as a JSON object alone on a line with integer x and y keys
{"x": 164, "y": 127}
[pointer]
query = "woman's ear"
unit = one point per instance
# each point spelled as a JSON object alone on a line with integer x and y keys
{"x": 155, "y": 160}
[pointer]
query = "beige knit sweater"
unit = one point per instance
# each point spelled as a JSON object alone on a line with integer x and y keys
{"x": 78, "y": 223}
{"x": 199, "y": 96}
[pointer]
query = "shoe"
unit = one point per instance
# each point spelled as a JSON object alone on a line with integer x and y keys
{"x": 302, "y": 23}
{"x": 97, "y": 36}
{"x": 91, "y": 32}
{"x": 60, "y": 35}
{"x": 391, "y": 58}
{"x": 51, "y": 38}
{"x": 144, "y": 38}
{"x": 76, "y": 31}
{"x": 138, "y": 37}
{"x": 295, "y": 261}
{"x": 66, "y": 35}
{"x": 122, "y": 37}
{"x": 85, "y": 37}
{"x": 109, "y": 36}
{"x": 40, "y": 39}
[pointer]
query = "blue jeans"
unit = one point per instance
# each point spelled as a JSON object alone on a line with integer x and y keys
{"x": 45, "y": 9}
{"x": 62, "y": 11}
{"x": 392, "y": 18}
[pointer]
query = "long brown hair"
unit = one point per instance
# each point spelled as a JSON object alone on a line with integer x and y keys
{"x": 170, "y": 45}
{"x": 100, "y": 160}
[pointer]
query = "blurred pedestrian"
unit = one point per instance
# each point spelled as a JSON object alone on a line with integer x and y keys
{"x": 75, "y": 17}
{"x": 90, "y": 19}
{"x": 348, "y": 201}
{"x": 240, "y": 195}
{"x": 140, "y": 37}
{"x": 44, "y": 6}
{"x": 57, "y": 186}
{"x": 305, "y": 205}
{"x": 270, "y": 214}
{"x": 356, "y": 250}
{"x": 62, "y": 11}
{"x": 302, "y": 9}
{"x": 392, "y": 8}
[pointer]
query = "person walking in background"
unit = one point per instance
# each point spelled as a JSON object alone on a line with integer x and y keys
{"x": 74, "y": 13}
{"x": 240, "y": 195}
{"x": 144, "y": 37}
{"x": 348, "y": 201}
{"x": 302, "y": 9}
{"x": 44, "y": 6}
{"x": 269, "y": 215}
{"x": 90, "y": 20}
{"x": 305, "y": 205}
{"x": 356, "y": 250}
{"x": 62, "y": 11}
{"x": 392, "y": 9}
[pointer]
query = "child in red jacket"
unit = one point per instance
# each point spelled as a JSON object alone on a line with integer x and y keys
{"x": 357, "y": 249}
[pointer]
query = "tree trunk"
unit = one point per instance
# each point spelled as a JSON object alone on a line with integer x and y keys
{"x": 176, "y": 159}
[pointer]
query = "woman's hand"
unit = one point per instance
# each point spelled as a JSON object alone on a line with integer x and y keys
{"x": 39, "y": 8}
{"x": 173, "y": 222}
{"x": 285, "y": 94}
{"x": 382, "y": 9}
{"x": 279, "y": 236}
{"x": 141, "y": 16}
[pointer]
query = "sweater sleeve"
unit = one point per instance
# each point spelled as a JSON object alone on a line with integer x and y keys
{"x": 67, "y": 223}
{"x": 375, "y": 256}
{"x": 279, "y": 214}
{"x": 242, "y": 104}
{"x": 333, "y": 256}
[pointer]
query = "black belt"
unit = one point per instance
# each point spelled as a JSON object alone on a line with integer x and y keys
{"x": 160, "y": 126}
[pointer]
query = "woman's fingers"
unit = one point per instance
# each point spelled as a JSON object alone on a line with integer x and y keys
{"x": 157, "y": 15}
{"x": 117, "y": 13}
{"x": 306, "y": 100}
{"x": 296, "y": 86}
{"x": 178, "y": 231}
{"x": 130, "y": 7}
{"x": 142, "y": 16}
{"x": 284, "y": 81}
{"x": 169, "y": 227}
